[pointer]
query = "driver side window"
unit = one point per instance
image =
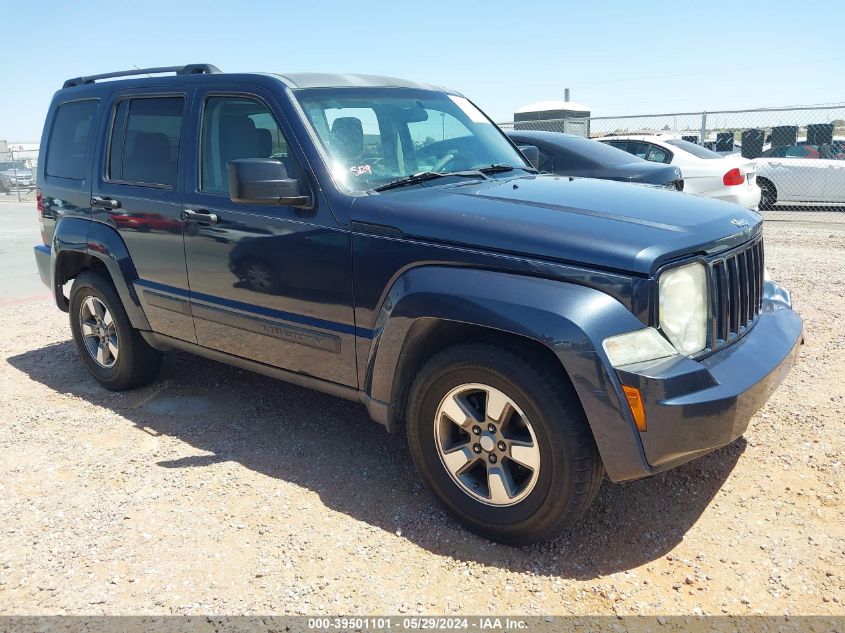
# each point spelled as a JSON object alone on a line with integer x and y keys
{"x": 234, "y": 128}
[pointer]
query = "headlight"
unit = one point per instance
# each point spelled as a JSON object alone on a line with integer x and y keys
{"x": 636, "y": 347}
{"x": 672, "y": 186}
{"x": 683, "y": 307}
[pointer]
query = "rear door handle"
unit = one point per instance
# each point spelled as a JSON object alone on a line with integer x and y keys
{"x": 98, "y": 202}
{"x": 201, "y": 216}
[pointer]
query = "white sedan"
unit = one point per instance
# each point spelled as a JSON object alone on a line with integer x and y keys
{"x": 803, "y": 173}
{"x": 729, "y": 178}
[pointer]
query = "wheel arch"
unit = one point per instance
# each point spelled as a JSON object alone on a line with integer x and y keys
{"x": 770, "y": 183}
{"x": 430, "y": 308}
{"x": 80, "y": 245}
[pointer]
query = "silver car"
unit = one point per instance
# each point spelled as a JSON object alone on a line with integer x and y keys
{"x": 15, "y": 175}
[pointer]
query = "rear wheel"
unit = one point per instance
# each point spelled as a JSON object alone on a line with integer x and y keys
{"x": 768, "y": 193}
{"x": 503, "y": 443}
{"x": 115, "y": 353}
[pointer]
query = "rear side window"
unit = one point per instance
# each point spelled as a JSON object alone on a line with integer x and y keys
{"x": 145, "y": 141}
{"x": 69, "y": 139}
{"x": 623, "y": 145}
{"x": 658, "y": 155}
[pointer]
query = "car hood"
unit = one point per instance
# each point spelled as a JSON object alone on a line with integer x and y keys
{"x": 596, "y": 223}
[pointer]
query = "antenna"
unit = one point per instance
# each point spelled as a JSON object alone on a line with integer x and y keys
{"x": 150, "y": 76}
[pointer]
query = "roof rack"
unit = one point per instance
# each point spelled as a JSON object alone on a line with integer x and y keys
{"x": 190, "y": 69}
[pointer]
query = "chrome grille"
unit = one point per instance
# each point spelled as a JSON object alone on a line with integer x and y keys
{"x": 737, "y": 293}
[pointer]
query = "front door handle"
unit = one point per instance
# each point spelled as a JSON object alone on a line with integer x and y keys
{"x": 98, "y": 202}
{"x": 201, "y": 216}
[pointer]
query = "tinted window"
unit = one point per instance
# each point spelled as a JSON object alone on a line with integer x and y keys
{"x": 547, "y": 161}
{"x": 658, "y": 155}
{"x": 234, "y": 128}
{"x": 620, "y": 145}
{"x": 69, "y": 139}
{"x": 638, "y": 148}
{"x": 692, "y": 148}
{"x": 145, "y": 141}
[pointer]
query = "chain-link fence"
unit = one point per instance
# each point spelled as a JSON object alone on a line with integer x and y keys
{"x": 798, "y": 152}
{"x": 18, "y": 165}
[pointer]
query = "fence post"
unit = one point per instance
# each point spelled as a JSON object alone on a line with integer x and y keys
{"x": 15, "y": 172}
{"x": 703, "y": 128}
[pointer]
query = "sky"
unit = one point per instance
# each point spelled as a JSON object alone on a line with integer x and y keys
{"x": 617, "y": 57}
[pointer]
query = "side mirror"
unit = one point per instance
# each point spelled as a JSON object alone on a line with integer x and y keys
{"x": 532, "y": 154}
{"x": 264, "y": 181}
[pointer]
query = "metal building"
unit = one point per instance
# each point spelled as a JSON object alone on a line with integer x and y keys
{"x": 532, "y": 115}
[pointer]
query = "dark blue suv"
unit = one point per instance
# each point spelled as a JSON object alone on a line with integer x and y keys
{"x": 384, "y": 241}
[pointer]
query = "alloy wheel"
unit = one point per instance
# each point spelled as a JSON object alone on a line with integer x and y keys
{"x": 98, "y": 332}
{"x": 487, "y": 444}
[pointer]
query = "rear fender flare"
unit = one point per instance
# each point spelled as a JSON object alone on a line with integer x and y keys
{"x": 74, "y": 235}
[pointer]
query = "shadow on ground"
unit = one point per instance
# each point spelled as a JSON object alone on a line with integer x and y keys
{"x": 330, "y": 446}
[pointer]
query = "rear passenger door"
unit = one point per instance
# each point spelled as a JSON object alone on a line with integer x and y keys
{"x": 138, "y": 191}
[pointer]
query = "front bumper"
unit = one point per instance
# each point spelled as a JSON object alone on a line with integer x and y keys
{"x": 693, "y": 407}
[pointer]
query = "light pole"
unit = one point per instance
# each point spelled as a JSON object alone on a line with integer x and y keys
{"x": 442, "y": 126}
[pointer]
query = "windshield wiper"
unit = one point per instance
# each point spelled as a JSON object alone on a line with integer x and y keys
{"x": 498, "y": 168}
{"x": 423, "y": 176}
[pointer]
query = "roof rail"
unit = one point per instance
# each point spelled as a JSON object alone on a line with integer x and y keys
{"x": 190, "y": 69}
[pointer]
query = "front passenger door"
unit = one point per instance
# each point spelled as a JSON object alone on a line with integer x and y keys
{"x": 269, "y": 283}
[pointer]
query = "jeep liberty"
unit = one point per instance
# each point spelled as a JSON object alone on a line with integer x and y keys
{"x": 383, "y": 241}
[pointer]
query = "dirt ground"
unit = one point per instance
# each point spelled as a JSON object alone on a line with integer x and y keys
{"x": 218, "y": 491}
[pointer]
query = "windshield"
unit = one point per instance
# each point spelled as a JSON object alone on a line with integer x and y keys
{"x": 692, "y": 148}
{"x": 374, "y": 136}
{"x": 13, "y": 165}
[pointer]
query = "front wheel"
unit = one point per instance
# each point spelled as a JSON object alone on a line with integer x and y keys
{"x": 115, "y": 353}
{"x": 503, "y": 443}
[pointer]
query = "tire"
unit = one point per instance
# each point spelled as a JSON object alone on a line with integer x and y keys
{"x": 768, "y": 193}
{"x": 545, "y": 499}
{"x": 135, "y": 362}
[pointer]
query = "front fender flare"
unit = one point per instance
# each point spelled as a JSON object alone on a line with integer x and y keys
{"x": 569, "y": 319}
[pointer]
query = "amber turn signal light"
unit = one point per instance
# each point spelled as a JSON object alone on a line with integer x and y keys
{"x": 635, "y": 402}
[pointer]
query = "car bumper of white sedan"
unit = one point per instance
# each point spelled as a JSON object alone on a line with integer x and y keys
{"x": 743, "y": 195}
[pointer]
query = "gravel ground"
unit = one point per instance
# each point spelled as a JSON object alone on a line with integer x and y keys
{"x": 215, "y": 490}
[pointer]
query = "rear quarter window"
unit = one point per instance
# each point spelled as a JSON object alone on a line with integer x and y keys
{"x": 68, "y": 144}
